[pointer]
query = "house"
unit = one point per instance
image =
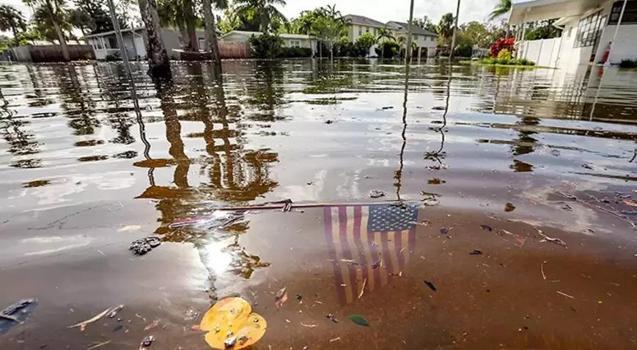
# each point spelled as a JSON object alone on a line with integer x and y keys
{"x": 44, "y": 51}
{"x": 359, "y": 25}
{"x": 289, "y": 40}
{"x": 424, "y": 40}
{"x": 105, "y": 44}
{"x": 588, "y": 29}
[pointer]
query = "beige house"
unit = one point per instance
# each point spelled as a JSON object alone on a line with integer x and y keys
{"x": 424, "y": 40}
{"x": 289, "y": 40}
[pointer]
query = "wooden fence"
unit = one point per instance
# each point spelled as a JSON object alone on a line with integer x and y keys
{"x": 51, "y": 53}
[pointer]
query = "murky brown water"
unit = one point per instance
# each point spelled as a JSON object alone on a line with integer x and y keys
{"x": 83, "y": 172}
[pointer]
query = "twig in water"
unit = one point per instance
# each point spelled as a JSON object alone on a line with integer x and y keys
{"x": 99, "y": 345}
{"x": 83, "y": 324}
{"x": 546, "y": 238}
{"x": 542, "y": 270}
{"x": 566, "y": 295}
{"x": 360, "y": 295}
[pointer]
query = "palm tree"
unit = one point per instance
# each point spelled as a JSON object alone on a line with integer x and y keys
{"x": 11, "y": 18}
{"x": 500, "y": 9}
{"x": 211, "y": 30}
{"x": 329, "y": 26}
{"x": 156, "y": 51}
{"x": 56, "y": 12}
{"x": 260, "y": 12}
{"x": 383, "y": 35}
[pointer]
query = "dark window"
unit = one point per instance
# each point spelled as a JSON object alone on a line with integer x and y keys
{"x": 589, "y": 29}
{"x": 630, "y": 14}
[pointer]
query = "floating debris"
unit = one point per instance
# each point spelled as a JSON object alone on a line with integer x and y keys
{"x": 444, "y": 230}
{"x": 114, "y": 312}
{"x": 99, "y": 345}
{"x": 476, "y": 252}
{"x": 486, "y": 228}
{"x": 509, "y": 207}
{"x": 230, "y": 323}
{"x": 95, "y": 318}
{"x": 546, "y": 238}
{"x": 564, "y": 294}
{"x": 359, "y": 320}
{"x": 281, "y": 297}
{"x": 332, "y": 317}
{"x": 147, "y": 342}
{"x": 16, "y": 313}
{"x": 431, "y": 286}
{"x": 376, "y": 194}
{"x": 144, "y": 245}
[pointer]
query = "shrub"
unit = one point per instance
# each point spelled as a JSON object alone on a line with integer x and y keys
{"x": 504, "y": 55}
{"x": 501, "y": 44}
{"x": 266, "y": 45}
{"x": 388, "y": 48}
{"x": 364, "y": 43}
{"x": 295, "y": 52}
{"x": 628, "y": 64}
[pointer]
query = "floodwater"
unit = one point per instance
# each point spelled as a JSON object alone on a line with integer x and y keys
{"x": 507, "y": 221}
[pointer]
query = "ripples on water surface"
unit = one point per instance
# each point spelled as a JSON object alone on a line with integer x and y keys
{"x": 71, "y": 133}
{"x": 82, "y": 169}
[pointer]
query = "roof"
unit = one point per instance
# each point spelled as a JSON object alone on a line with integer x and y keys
{"x": 395, "y": 25}
{"x": 282, "y": 35}
{"x": 138, "y": 29}
{"x": 362, "y": 20}
{"x": 537, "y": 10}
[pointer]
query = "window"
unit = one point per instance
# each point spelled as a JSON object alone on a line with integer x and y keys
{"x": 570, "y": 32}
{"x": 630, "y": 14}
{"x": 589, "y": 29}
{"x": 296, "y": 43}
{"x": 360, "y": 30}
{"x": 366, "y": 29}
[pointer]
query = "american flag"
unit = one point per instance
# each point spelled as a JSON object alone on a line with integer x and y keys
{"x": 367, "y": 243}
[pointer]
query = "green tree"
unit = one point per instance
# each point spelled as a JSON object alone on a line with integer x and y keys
{"x": 476, "y": 33}
{"x": 500, "y": 9}
{"x": 261, "y": 15}
{"x": 55, "y": 11}
{"x": 266, "y": 45}
{"x": 365, "y": 42}
{"x": 12, "y": 19}
{"x": 329, "y": 27}
{"x": 78, "y": 18}
{"x": 382, "y": 36}
{"x": 426, "y": 24}
{"x": 100, "y": 20}
{"x": 445, "y": 28}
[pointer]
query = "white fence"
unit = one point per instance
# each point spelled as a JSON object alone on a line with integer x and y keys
{"x": 543, "y": 52}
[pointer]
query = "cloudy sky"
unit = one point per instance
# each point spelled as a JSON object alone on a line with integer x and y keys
{"x": 381, "y": 10}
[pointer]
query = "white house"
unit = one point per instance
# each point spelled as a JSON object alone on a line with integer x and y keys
{"x": 289, "y": 40}
{"x": 105, "y": 44}
{"x": 588, "y": 29}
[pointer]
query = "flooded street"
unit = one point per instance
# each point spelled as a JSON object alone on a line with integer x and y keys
{"x": 504, "y": 217}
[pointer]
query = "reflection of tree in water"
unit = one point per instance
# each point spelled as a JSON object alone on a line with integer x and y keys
{"x": 235, "y": 174}
{"x": 77, "y": 103}
{"x": 21, "y": 141}
{"x": 266, "y": 93}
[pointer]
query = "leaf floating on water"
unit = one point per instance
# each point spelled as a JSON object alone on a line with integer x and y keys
{"x": 444, "y": 230}
{"x": 509, "y": 207}
{"x": 486, "y": 228}
{"x": 431, "y": 286}
{"x": 376, "y": 194}
{"x": 476, "y": 252}
{"x": 281, "y": 297}
{"x": 230, "y": 323}
{"x": 359, "y": 320}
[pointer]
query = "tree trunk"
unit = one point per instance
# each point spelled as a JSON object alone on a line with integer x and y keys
{"x": 331, "y": 52}
{"x": 189, "y": 14}
{"x": 156, "y": 52}
{"x": 58, "y": 31}
{"x": 211, "y": 33}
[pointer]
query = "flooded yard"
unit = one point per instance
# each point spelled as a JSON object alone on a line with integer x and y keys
{"x": 474, "y": 207}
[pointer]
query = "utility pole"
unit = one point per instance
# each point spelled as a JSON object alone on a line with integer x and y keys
{"x": 120, "y": 40}
{"x": 455, "y": 32}
{"x": 408, "y": 48}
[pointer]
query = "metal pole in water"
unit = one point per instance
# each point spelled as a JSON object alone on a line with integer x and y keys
{"x": 120, "y": 40}
{"x": 619, "y": 23}
{"x": 408, "y": 48}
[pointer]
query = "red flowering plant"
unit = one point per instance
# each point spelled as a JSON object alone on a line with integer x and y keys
{"x": 501, "y": 44}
